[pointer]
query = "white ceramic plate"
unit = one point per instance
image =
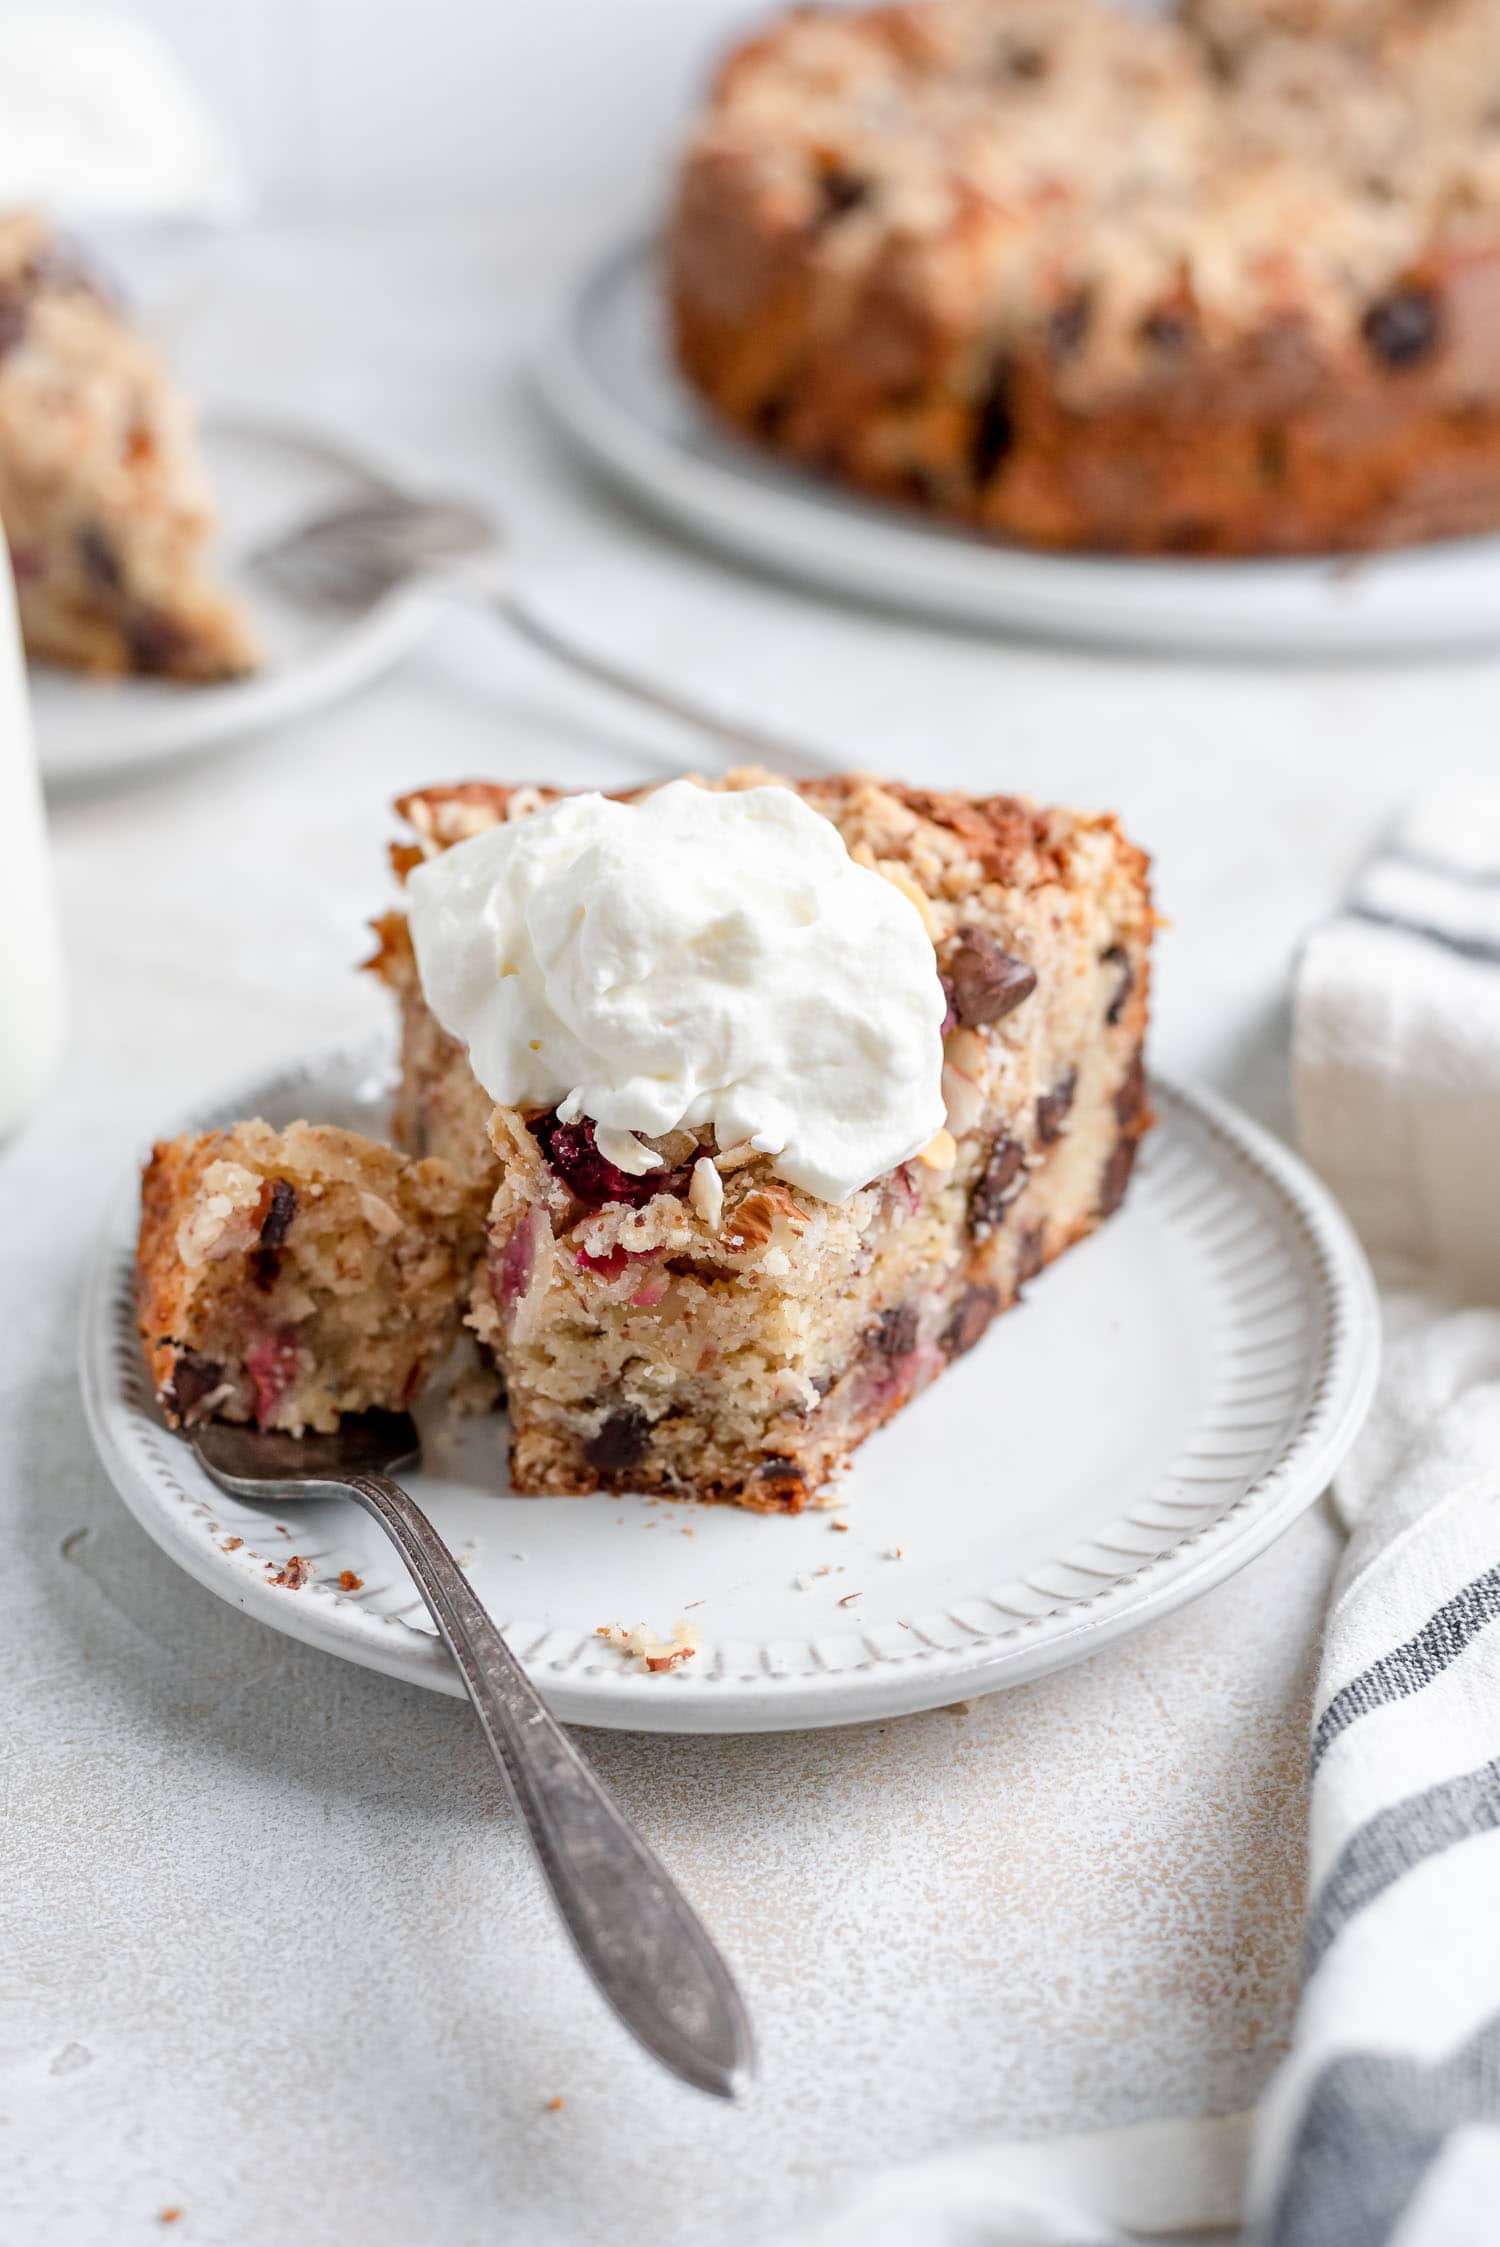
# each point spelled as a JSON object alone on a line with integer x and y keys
{"x": 607, "y": 374}
{"x": 1169, "y": 1397}
{"x": 266, "y": 477}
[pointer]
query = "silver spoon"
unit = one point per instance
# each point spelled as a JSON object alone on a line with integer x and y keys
{"x": 633, "y": 1930}
{"x": 361, "y": 551}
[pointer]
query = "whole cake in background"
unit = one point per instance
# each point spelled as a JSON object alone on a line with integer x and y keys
{"x": 102, "y": 494}
{"x": 731, "y": 1114}
{"x": 1220, "y": 283}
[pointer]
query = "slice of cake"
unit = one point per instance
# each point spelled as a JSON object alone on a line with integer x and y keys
{"x": 101, "y": 493}
{"x": 877, "y": 1115}
{"x": 287, "y": 1277}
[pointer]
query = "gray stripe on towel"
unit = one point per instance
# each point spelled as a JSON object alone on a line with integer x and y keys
{"x": 1408, "y": 1668}
{"x": 1370, "y": 2129}
{"x": 1393, "y": 1841}
{"x": 1467, "y": 947}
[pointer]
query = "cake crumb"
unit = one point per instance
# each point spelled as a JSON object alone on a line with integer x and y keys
{"x": 349, "y": 1582}
{"x": 655, "y": 1654}
{"x": 894, "y": 1552}
{"x": 295, "y": 1574}
{"x": 231, "y": 1544}
{"x": 849, "y": 1598}
{"x": 170, "y": 2216}
{"x": 838, "y": 1525}
{"x": 554, "y": 2106}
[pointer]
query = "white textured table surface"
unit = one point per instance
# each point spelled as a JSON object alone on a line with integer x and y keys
{"x": 275, "y": 1955}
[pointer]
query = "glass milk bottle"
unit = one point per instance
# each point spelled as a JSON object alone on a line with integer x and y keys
{"x": 30, "y": 963}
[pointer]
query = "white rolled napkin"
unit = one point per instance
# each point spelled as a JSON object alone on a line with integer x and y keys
{"x": 1106, "y": 2188}
{"x": 1385, "y": 2121}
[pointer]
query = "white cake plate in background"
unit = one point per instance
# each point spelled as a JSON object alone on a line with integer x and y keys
{"x": 266, "y": 477}
{"x": 1167, "y": 1400}
{"x": 607, "y": 375}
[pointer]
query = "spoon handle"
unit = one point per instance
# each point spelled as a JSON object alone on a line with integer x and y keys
{"x": 632, "y": 1928}
{"x": 794, "y": 760}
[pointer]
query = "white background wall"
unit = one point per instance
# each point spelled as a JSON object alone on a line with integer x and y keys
{"x": 375, "y": 106}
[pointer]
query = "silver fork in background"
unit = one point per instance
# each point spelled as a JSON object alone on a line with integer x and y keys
{"x": 631, "y": 1926}
{"x": 359, "y": 552}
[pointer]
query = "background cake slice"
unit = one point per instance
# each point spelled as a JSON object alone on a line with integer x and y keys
{"x": 102, "y": 495}
{"x": 288, "y": 1277}
{"x": 709, "y": 1330}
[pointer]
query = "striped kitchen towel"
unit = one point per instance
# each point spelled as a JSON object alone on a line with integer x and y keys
{"x": 1384, "y": 2123}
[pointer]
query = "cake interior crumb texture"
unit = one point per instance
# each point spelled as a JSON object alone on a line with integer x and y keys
{"x": 289, "y": 1277}
{"x": 1224, "y": 280}
{"x": 102, "y": 493}
{"x": 709, "y": 1331}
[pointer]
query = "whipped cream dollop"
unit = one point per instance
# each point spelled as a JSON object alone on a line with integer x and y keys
{"x": 700, "y": 957}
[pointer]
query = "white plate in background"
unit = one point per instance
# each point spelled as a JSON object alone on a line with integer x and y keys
{"x": 1167, "y": 1400}
{"x": 266, "y": 476}
{"x": 607, "y": 374}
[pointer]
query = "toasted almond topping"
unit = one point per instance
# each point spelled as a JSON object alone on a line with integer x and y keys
{"x": 706, "y": 1193}
{"x": 900, "y": 877}
{"x": 735, "y": 1157}
{"x": 940, "y": 1152}
{"x": 625, "y": 1151}
{"x": 379, "y": 1215}
{"x": 758, "y": 1215}
{"x": 459, "y": 822}
{"x": 223, "y": 1220}
{"x": 963, "y": 1102}
{"x": 965, "y": 1052}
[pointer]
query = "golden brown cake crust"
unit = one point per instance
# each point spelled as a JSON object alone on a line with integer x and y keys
{"x": 1009, "y": 838}
{"x": 915, "y": 249}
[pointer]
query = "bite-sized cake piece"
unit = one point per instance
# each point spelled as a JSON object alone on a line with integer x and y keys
{"x": 671, "y": 1311}
{"x": 1212, "y": 281}
{"x": 288, "y": 1277}
{"x": 102, "y": 495}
